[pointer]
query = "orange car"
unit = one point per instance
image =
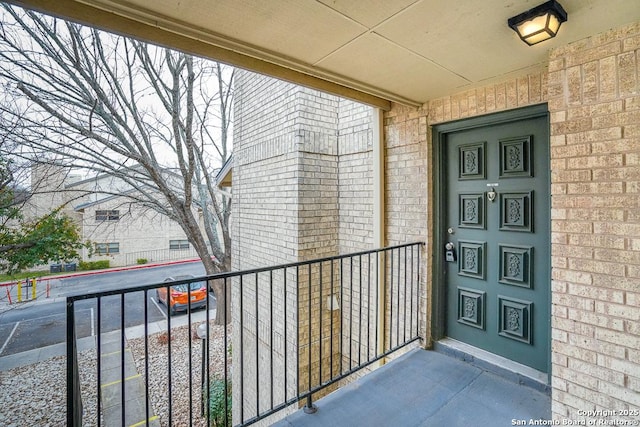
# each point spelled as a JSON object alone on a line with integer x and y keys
{"x": 179, "y": 295}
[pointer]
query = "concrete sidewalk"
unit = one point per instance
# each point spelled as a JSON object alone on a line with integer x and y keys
{"x": 137, "y": 411}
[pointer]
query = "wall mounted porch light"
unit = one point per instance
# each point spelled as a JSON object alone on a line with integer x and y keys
{"x": 540, "y": 23}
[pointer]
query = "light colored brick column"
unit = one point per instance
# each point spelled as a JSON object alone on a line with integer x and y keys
{"x": 594, "y": 100}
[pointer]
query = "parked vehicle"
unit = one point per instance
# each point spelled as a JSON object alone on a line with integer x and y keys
{"x": 183, "y": 296}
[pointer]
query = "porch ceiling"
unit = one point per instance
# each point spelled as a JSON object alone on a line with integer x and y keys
{"x": 408, "y": 51}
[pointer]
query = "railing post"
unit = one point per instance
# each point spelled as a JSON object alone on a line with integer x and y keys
{"x": 309, "y": 407}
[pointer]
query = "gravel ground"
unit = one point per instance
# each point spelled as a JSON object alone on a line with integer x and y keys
{"x": 35, "y": 395}
{"x": 181, "y": 363}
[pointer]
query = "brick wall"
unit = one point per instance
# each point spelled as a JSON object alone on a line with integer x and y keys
{"x": 301, "y": 190}
{"x": 407, "y": 186}
{"x": 355, "y": 177}
{"x": 592, "y": 88}
{"x": 264, "y": 232}
{"x": 594, "y": 100}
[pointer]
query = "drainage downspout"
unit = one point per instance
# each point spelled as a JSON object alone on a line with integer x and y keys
{"x": 379, "y": 240}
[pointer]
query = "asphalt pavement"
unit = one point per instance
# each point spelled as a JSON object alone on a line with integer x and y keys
{"x": 41, "y": 323}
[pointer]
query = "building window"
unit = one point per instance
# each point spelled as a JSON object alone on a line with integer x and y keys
{"x": 107, "y": 248}
{"x": 107, "y": 215}
{"x": 178, "y": 244}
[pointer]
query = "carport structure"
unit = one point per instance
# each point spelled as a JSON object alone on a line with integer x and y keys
{"x": 494, "y": 142}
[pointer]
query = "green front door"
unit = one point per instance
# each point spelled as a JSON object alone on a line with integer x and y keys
{"x": 497, "y": 229}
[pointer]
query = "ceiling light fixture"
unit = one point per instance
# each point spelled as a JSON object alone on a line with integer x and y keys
{"x": 540, "y": 23}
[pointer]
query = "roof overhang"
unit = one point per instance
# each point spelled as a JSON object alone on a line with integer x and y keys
{"x": 375, "y": 52}
{"x": 225, "y": 175}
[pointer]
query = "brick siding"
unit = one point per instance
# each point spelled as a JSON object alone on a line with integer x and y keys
{"x": 593, "y": 93}
{"x": 318, "y": 198}
{"x": 594, "y": 100}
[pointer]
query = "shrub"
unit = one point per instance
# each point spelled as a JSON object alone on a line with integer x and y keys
{"x": 142, "y": 261}
{"x": 216, "y": 402}
{"x": 94, "y": 265}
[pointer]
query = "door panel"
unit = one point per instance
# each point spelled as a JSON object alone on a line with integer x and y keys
{"x": 497, "y": 219}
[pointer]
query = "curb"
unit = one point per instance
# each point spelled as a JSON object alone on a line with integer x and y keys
{"x": 107, "y": 270}
{"x": 5, "y": 306}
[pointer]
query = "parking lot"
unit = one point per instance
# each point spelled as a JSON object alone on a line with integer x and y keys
{"x": 42, "y": 322}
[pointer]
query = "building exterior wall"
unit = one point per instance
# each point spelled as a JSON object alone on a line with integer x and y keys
{"x": 140, "y": 232}
{"x": 264, "y": 225}
{"x": 594, "y": 100}
{"x": 407, "y": 185}
{"x": 592, "y": 88}
{"x": 301, "y": 191}
{"x": 355, "y": 176}
{"x": 592, "y": 91}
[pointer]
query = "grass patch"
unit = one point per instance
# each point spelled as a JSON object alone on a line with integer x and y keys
{"x": 27, "y": 275}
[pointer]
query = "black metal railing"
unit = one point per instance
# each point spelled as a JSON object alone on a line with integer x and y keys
{"x": 298, "y": 331}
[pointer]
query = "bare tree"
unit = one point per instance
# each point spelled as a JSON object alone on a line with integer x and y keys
{"x": 154, "y": 118}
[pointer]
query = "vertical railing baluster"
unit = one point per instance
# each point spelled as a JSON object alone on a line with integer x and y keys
{"x": 341, "y": 315}
{"x": 331, "y": 309}
{"x": 205, "y": 354}
{"x": 368, "y": 306}
{"x": 241, "y": 350}
{"x": 412, "y": 287}
{"x": 146, "y": 355}
{"x": 377, "y": 302}
{"x": 309, "y": 323}
{"x": 418, "y": 294}
{"x": 398, "y": 303}
{"x": 257, "y": 348}
{"x": 190, "y": 349}
{"x": 72, "y": 420}
{"x": 227, "y": 293}
{"x": 360, "y": 310}
{"x": 99, "y": 355}
{"x": 204, "y": 363}
{"x": 169, "y": 373}
{"x": 404, "y": 321}
{"x": 390, "y": 300}
{"x": 286, "y": 343}
{"x": 309, "y": 408}
{"x": 350, "y": 313}
{"x": 298, "y": 346}
{"x": 122, "y": 372}
{"x": 411, "y": 290}
{"x": 272, "y": 334}
{"x": 320, "y": 342}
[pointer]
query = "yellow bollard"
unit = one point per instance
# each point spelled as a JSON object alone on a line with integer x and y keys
{"x": 33, "y": 288}
{"x": 19, "y": 290}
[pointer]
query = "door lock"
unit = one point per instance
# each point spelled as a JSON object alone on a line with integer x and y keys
{"x": 450, "y": 252}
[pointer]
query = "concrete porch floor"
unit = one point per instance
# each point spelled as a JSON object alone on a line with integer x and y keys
{"x": 427, "y": 388}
